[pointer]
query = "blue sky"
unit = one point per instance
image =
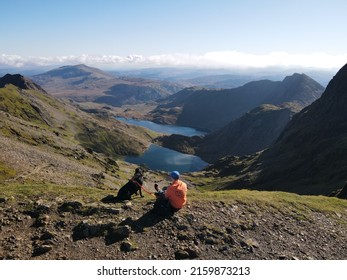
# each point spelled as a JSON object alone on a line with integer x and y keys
{"x": 140, "y": 33}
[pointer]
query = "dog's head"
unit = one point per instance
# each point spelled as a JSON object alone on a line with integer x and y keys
{"x": 139, "y": 171}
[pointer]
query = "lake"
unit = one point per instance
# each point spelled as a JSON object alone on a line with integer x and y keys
{"x": 160, "y": 158}
{"x": 163, "y": 128}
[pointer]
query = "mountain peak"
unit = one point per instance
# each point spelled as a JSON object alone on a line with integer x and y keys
{"x": 77, "y": 71}
{"x": 296, "y": 78}
{"x": 19, "y": 81}
{"x": 337, "y": 87}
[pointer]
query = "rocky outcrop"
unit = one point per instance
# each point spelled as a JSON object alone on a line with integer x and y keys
{"x": 341, "y": 193}
{"x": 19, "y": 81}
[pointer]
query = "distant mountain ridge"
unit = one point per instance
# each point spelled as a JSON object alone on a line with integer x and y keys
{"x": 84, "y": 83}
{"x": 76, "y": 71}
{"x": 310, "y": 155}
{"x": 253, "y": 131}
{"x": 223, "y": 78}
{"x": 212, "y": 109}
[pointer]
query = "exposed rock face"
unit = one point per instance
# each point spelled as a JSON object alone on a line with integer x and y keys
{"x": 341, "y": 193}
{"x": 19, "y": 81}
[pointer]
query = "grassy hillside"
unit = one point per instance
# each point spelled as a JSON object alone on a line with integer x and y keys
{"x": 279, "y": 201}
{"x": 16, "y": 104}
{"x": 46, "y": 139}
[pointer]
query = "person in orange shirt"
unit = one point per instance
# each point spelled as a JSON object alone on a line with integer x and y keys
{"x": 172, "y": 198}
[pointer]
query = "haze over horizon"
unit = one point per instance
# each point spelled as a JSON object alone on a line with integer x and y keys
{"x": 154, "y": 33}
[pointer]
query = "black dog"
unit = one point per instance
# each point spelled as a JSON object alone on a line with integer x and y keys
{"x": 132, "y": 187}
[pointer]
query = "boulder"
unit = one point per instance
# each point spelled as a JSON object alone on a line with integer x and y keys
{"x": 249, "y": 244}
{"x": 118, "y": 233}
{"x": 86, "y": 230}
{"x": 42, "y": 220}
{"x": 181, "y": 255}
{"x": 41, "y": 249}
{"x": 70, "y": 206}
{"x": 126, "y": 246}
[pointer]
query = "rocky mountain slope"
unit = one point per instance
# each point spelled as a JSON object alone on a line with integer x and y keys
{"x": 310, "y": 154}
{"x": 212, "y": 109}
{"x": 253, "y": 132}
{"x": 84, "y": 83}
{"x": 43, "y": 138}
{"x": 72, "y": 223}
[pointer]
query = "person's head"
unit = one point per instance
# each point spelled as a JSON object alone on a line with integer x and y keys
{"x": 175, "y": 175}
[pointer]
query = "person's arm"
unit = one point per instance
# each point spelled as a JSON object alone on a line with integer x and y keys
{"x": 168, "y": 192}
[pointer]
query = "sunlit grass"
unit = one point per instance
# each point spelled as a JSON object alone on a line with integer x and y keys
{"x": 269, "y": 201}
{"x": 6, "y": 172}
{"x": 278, "y": 200}
{"x": 20, "y": 191}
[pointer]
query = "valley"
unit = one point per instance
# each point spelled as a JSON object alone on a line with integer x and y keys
{"x": 274, "y": 162}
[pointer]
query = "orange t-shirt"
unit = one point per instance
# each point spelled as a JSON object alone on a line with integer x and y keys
{"x": 176, "y": 193}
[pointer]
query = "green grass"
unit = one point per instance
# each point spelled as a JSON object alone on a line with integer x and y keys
{"x": 6, "y": 172}
{"x": 23, "y": 191}
{"x": 278, "y": 200}
{"x": 268, "y": 201}
{"x": 45, "y": 98}
{"x": 16, "y": 104}
{"x": 109, "y": 142}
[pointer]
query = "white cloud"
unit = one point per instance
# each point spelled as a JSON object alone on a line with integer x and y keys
{"x": 226, "y": 59}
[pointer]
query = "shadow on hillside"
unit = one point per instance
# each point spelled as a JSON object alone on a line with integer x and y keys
{"x": 149, "y": 219}
{"x": 110, "y": 199}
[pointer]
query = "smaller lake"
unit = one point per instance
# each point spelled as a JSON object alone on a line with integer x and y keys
{"x": 159, "y": 158}
{"x": 163, "y": 128}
